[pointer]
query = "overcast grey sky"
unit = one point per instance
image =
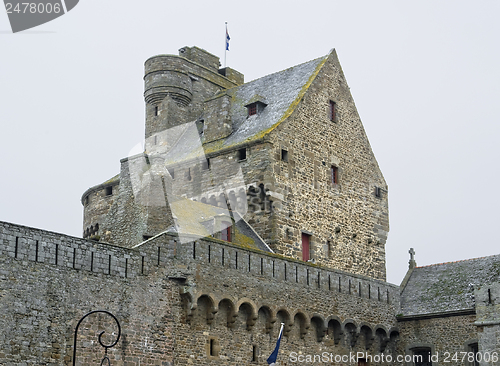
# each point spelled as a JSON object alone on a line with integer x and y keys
{"x": 425, "y": 77}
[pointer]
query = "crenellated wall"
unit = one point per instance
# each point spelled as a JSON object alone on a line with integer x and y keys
{"x": 169, "y": 296}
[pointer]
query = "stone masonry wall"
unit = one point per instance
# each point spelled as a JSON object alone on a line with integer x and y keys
{"x": 48, "y": 281}
{"x": 444, "y": 336}
{"x": 235, "y": 300}
{"x": 487, "y": 298}
{"x": 174, "y": 300}
{"x": 348, "y": 223}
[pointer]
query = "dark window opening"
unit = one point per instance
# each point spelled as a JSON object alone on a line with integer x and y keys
{"x": 156, "y": 110}
{"x": 284, "y": 155}
{"x": 306, "y": 245}
{"x": 109, "y": 191}
{"x": 378, "y": 192}
{"x": 473, "y": 348}
{"x": 422, "y": 357}
{"x": 188, "y": 175}
{"x": 242, "y": 154}
{"x": 333, "y": 111}
{"x": 212, "y": 347}
{"x": 252, "y": 109}
{"x": 171, "y": 171}
{"x": 205, "y": 165}
{"x": 226, "y": 231}
{"x": 254, "y": 353}
{"x": 334, "y": 174}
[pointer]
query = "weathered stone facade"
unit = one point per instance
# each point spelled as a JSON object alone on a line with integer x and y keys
{"x": 286, "y": 159}
{"x": 253, "y": 204}
{"x": 172, "y": 298}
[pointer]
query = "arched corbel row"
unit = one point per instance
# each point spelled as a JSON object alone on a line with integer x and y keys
{"x": 367, "y": 332}
{"x": 232, "y": 313}
{"x": 382, "y": 337}
{"x": 187, "y": 297}
{"x": 283, "y": 315}
{"x": 253, "y": 316}
{"x": 320, "y": 326}
{"x": 351, "y": 329}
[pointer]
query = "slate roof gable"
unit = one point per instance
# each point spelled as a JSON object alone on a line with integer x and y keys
{"x": 447, "y": 287}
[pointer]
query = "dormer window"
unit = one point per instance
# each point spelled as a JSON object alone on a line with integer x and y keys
{"x": 256, "y": 105}
{"x": 252, "y": 109}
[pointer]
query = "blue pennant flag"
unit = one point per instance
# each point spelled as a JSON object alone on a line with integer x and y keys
{"x": 227, "y": 39}
{"x": 272, "y": 359}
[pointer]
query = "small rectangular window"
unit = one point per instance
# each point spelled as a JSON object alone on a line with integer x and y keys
{"x": 226, "y": 231}
{"x": 242, "y": 154}
{"x": 473, "y": 349}
{"x": 252, "y": 109}
{"x": 378, "y": 192}
{"x": 109, "y": 191}
{"x": 213, "y": 351}
{"x": 422, "y": 356}
{"x": 156, "y": 110}
{"x": 205, "y": 164}
{"x": 333, "y": 111}
{"x": 334, "y": 174}
{"x": 284, "y": 155}
{"x": 306, "y": 245}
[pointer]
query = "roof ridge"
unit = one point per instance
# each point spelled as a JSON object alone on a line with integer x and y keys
{"x": 460, "y": 260}
{"x": 278, "y": 72}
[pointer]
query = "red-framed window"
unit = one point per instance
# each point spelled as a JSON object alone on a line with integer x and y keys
{"x": 226, "y": 231}
{"x": 306, "y": 247}
{"x": 334, "y": 174}
{"x": 252, "y": 109}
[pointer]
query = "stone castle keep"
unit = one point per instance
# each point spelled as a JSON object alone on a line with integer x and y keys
{"x": 253, "y": 204}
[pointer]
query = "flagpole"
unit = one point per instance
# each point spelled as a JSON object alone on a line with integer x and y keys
{"x": 225, "y": 46}
{"x": 271, "y": 360}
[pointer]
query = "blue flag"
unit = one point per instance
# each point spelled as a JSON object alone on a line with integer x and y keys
{"x": 272, "y": 359}
{"x": 227, "y": 39}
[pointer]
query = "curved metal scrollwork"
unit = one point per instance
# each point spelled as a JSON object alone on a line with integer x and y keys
{"x": 105, "y": 358}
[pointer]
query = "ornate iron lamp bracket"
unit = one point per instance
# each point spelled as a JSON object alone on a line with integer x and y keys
{"x": 105, "y": 358}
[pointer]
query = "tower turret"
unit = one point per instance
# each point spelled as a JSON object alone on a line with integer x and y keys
{"x": 188, "y": 80}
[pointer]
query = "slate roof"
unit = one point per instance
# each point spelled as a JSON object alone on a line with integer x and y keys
{"x": 192, "y": 218}
{"x": 281, "y": 91}
{"x": 447, "y": 286}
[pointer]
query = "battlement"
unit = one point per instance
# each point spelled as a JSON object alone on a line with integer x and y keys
{"x": 29, "y": 244}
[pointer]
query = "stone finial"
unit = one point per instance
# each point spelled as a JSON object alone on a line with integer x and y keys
{"x": 412, "y": 262}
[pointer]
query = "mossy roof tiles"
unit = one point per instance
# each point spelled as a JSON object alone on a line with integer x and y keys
{"x": 449, "y": 286}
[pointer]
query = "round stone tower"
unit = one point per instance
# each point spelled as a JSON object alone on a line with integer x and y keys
{"x": 176, "y": 87}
